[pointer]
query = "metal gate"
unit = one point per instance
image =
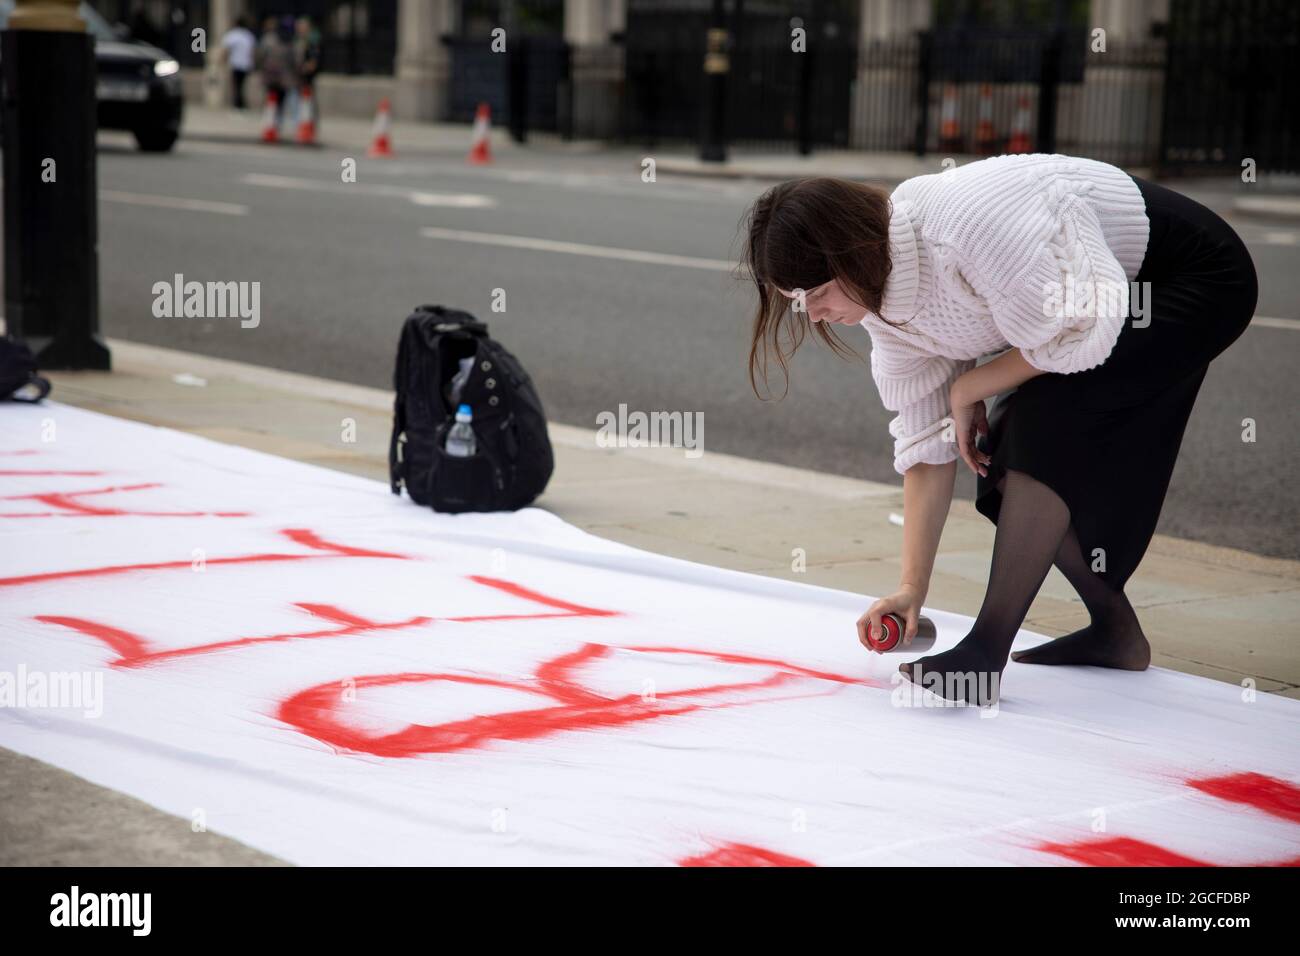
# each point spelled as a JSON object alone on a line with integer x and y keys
{"x": 1232, "y": 88}
{"x": 776, "y": 97}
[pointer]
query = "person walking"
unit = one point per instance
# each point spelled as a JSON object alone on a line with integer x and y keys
{"x": 237, "y": 51}
{"x": 1104, "y": 297}
{"x": 274, "y": 60}
{"x": 306, "y": 61}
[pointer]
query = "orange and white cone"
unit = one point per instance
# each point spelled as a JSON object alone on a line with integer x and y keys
{"x": 270, "y": 128}
{"x": 985, "y": 137}
{"x": 381, "y": 144}
{"x": 1019, "y": 142}
{"x": 306, "y": 117}
{"x": 949, "y": 127}
{"x": 481, "y": 151}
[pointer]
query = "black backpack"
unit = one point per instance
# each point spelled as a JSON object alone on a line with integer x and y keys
{"x": 18, "y": 370}
{"x": 513, "y": 460}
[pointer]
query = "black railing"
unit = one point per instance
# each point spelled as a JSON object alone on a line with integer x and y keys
{"x": 527, "y": 86}
{"x": 1232, "y": 89}
{"x": 926, "y": 94}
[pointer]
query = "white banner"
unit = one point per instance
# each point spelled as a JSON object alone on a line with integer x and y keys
{"x": 297, "y": 659}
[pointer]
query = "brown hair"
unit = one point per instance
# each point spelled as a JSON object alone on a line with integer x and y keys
{"x": 801, "y": 234}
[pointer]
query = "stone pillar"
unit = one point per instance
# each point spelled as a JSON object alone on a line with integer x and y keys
{"x": 423, "y": 66}
{"x": 216, "y": 74}
{"x": 596, "y": 65}
{"x": 884, "y": 91}
{"x": 1118, "y": 107}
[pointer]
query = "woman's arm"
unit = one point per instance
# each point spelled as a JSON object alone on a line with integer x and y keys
{"x": 927, "y": 496}
{"x": 966, "y": 400}
{"x": 992, "y": 378}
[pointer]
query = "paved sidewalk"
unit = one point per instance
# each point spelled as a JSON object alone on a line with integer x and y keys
{"x": 1217, "y": 612}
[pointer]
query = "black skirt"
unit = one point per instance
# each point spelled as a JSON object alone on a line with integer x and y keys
{"x": 1106, "y": 439}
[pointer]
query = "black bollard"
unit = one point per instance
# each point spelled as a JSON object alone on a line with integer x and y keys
{"x": 50, "y": 226}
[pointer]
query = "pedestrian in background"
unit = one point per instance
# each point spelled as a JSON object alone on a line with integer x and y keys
{"x": 237, "y": 50}
{"x": 306, "y": 60}
{"x": 274, "y": 60}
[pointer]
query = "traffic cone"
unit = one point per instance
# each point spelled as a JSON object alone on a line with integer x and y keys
{"x": 270, "y": 128}
{"x": 381, "y": 146}
{"x": 949, "y": 127}
{"x": 306, "y": 118}
{"x": 985, "y": 137}
{"x": 1019, "y": 142}
{"x": 481, "y": 151}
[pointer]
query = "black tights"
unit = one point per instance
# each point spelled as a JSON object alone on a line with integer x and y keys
{"x": 1033, "y": 533}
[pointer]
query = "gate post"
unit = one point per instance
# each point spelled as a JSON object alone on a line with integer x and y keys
{"x": 805, "y": 103}
{"x": 517, "y": 84}
{"x": 922, "y": 90}
{"x": 717, "y": 64}
{"x": 1048, "y": 80}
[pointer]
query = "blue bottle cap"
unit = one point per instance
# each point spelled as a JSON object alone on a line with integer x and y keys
{"x": 464, "y": 410}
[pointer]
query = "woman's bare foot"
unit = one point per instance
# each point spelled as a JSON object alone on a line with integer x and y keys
{"x": 1116, "y": 642}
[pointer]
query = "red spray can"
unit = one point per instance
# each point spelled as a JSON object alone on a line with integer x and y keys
{"x": 892, "y": 638}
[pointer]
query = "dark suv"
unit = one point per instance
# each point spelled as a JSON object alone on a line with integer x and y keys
{"x": 139, "y": 86}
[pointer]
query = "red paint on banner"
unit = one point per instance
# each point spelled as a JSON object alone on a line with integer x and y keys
{"x": 129, "y": 647}
{"x": 763, "y": 661}
{"x": 1118, "y": 851}
{"x": 742, "y": 854}
{"x": 518, "y": 590}
{"x": 70, "y": 506}
{"x": 133, "y": 651}
{"x": 310, "y": 539}
{"x": 45, "y": 473}
{"x": 1269, "y": 794}
{"x": 1125, "y": 851}
{"x": 316, "y": 711}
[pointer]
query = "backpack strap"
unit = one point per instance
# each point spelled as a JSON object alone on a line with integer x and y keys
{"x": 395, "y": 467}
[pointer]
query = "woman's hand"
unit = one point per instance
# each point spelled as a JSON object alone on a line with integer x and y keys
{"x": 969, "y": 422}
{"x": 905, "y": 602}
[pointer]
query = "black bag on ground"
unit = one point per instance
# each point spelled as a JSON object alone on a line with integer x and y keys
{"x": 513, "y": 460}
{"x": 18, "y": 378}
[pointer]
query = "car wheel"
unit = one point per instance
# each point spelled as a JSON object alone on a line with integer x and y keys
{"x": 156, "y": 140}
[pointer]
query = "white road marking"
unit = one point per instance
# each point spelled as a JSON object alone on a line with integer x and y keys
{"x": 174, "y": 202}
{"x": 577, "y": 249}
{"x": 417, "y": 196}
{"x": 627, "y": 185}
{"x": 1270, "y": 323}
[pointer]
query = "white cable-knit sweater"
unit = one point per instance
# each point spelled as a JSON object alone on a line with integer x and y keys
{"x": 977, "y": 254}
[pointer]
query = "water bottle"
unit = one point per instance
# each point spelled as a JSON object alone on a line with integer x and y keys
{"x": 460, "y": 437}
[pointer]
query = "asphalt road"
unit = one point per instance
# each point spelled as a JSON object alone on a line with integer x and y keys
{"x": 603, "y": 323}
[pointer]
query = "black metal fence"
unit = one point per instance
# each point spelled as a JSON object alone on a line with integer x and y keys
{"x": 527, "y": 86}
{"x": 1232, "y": 87}
{"x": 928, "y": 93}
